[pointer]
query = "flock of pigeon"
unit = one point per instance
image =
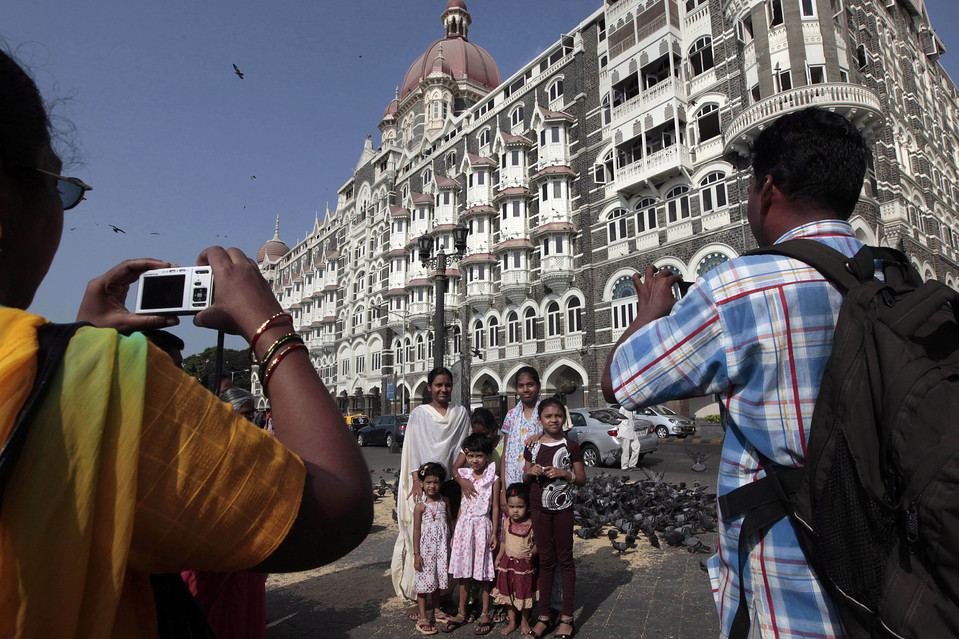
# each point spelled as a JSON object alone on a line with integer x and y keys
{"x": 652, "y": 508}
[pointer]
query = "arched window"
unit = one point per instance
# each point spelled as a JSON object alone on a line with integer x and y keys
{"x": 484, "y": 137}
{"x": 556, "y": 90}
{"x": 420, "y": 348}
{"x": 516, "y": 116}
{"x": 701, "y": 55}
{"x": 512, "y": 328}
{"x": 623, "y": 307}
{"x": 457, "y": 340}
{"x": 646, "y": 215}
{"x": 553, "y": 317}
{"x": 574, "y": 315}
{"x": 529, "y": 324}
{"x": 479, "y": 336}
{"x": 409, "y": 350}
{"x": 707, "y": 122}
{"x": 616, "y": 225}
{"x": 450, "y": 162}
{"x": 493, "y": 327}
{"x": 427, "y": 177}
{"x": 712, "y": 192}
{"x": 677, "y": 204}
{"x": 429, "y": 346}
{"x": 603, "y": 171}
{"x": 398, "y": 353}
{"x": 607, "y": 111}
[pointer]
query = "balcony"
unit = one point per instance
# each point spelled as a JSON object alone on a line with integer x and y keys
{"x": 679, "y": 230}
{"x": 646, "y": 100}
{"x": 479, "y": 295}
{"x": 702, "y": 82}
{"x": 557, "y": 272}
{"x": 699, "y": 17}
{"x": 637, "y": 174}
{"x": 554, "y": 344}
{"x": 715, "y": 219}
{"x": 857, "y": 103}
{"x": 515, "y": 285}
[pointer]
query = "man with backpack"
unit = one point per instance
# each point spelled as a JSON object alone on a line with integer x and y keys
{"x": 758, "y": 330}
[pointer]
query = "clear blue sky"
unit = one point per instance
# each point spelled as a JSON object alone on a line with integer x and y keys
{"x": 169, "y": 137}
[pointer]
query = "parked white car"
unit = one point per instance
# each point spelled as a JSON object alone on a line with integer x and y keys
{"x": 596, "y": 430}
{"x": 667, "y": 423}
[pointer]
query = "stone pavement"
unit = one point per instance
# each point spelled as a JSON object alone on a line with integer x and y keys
{"x": 647, "y": 592}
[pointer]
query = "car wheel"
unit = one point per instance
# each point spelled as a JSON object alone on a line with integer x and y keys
{"x": 662, "y": 432}
{"x": 361, "y": 439}
{"x": 389, "y": 440}
{"x": 590, "y": 455}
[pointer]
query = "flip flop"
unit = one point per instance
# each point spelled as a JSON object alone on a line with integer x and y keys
{"x": 453, "y": 623}
{"x": 424, "y": 627}
{"x": 483, "y": 627}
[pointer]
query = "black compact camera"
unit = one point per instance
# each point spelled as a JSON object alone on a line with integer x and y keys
{"x": 175, "y": 291}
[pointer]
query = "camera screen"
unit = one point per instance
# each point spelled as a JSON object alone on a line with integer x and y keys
{"x": 162, "y": 292}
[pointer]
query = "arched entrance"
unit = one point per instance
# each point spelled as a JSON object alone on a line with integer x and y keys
{"x": 568, "y": 380}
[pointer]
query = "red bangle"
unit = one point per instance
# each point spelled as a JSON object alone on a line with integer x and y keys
{"x": 265, "y": 325}
{"x": 276, "y": 362}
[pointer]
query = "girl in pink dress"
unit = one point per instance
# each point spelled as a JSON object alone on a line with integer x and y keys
{"x": 431, "y": 538}
{"x": 471, "y": 556}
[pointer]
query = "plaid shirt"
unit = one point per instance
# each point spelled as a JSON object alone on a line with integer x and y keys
{"x": 758, "y": 330}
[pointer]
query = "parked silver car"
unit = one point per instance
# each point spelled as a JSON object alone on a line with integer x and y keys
{"x": 596, "y": 430}
{"x": 667, "y": 422}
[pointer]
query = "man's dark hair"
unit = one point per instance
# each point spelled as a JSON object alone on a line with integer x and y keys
{"x": 164, "y": 340}
{"x": 814, "y": 156}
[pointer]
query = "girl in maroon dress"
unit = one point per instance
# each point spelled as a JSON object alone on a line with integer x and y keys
{"x": 516, "y": 561}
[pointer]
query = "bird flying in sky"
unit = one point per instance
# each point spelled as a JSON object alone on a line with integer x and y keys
{"x": 237, "y": 71}
{"x": 117, "y": 229}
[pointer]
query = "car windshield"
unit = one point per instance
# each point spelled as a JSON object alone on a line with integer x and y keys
{"x": 607, "y": 415}
{"x": 662, "y": 410}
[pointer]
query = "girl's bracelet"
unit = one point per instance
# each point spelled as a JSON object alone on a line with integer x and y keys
{"x": 275, "y": 346}
{"x": 263, "y": 327}
{"x": 276, "y": 362}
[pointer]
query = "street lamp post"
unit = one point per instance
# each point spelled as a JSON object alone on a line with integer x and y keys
{"x": 441, "y": 263}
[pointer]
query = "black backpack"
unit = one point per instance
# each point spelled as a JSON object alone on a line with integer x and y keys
{"x": 876, "y": 504}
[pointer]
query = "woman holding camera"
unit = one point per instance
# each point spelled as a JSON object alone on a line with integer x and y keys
{"x": 128, "y": 466}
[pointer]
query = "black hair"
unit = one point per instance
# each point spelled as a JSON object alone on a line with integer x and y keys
{"x": 528, "y": 370}
{"x": 164, "y": 340}
{"x": 552, "y": 401}
{"x": 815, "y": 157}
{"x": 478, "y": 443}
{"x": 25, "y": 127}
{"x": 432, "y": 469}
{"x": 519, "y": 489}
{"x": 486, "y": 418}
{"x": 439, "y": 370}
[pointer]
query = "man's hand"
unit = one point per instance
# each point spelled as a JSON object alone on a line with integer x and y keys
{"x": 104, "y": 302}
{"x": 655, "y": 300}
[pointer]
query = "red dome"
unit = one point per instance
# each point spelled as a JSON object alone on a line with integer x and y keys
{"x": 457, "y": 4}
{"x": 464, "y": 59}
{"x": 392, "y": 108}
{"x": 274, "y": 248}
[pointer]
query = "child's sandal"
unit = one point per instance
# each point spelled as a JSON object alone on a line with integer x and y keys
{"x": 532, "y": 634}
{"x": 424, "y": 627}
{"x": 453, "y": 623}
{"x": 483, "y": 627}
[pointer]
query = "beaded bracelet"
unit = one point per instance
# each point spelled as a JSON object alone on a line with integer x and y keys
{"x": 265, "y": 325}
{"x": 275, "y": 346}
{"x": 276, "y": 362}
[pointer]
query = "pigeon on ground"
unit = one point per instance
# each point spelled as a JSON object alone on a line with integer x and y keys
{"x": 698, "y": 459}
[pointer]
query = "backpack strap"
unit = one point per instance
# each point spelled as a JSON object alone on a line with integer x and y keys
{"x": 845, "y": 272}
{"x": 53, "y": 340}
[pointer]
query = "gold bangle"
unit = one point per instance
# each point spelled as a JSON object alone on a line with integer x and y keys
{"x": 276, "y": 362}
{"x": 275, "y": 346}
{"x": 265, "y": 325}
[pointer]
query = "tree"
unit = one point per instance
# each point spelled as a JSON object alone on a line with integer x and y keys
{"x": 235, "y": 362}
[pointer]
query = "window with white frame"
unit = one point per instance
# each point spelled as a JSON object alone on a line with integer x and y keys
{"x": 701, "y": 55}
{"x": 783, "y": 79}
{"x": 376, "y": 360}
{"x": 616, "y": 225}
{"x": 574, "y": 315}
{"x": 555, "y": 90}
{"x": 479, "y": 335}
{"x": 477, "y": 273}
{"x": 607, "y": 111}
{"x": 677, "y": 204}
{"x": 623, "y": 306}
{"x": 603, "y": 171}
{"x": 420, "y": 348}
{"x": 553, "y": 320}
{"x": 692, "y": 4}
{"x": 493, "y": 330}
{"x": 512, "y": 328}
{"x": 807, "y": 9}
{"x": 409, "y": 350}
{"x": 529, "y": 324}
{"x": 712, "y": 192}
{"x": 427, "y": 176}
{"x": 345, "y": 366}
{"x": 451, "y": 162}
{"x": 429, "y": 346}
{"x": 707, "y": 122}
{"x": 816, "y": 73}
{"x": 645, "y": 215}
{"x": 360, "y": 364}
{"x": 553, "y": 245}
{"x": 484, "y": 138}
{"x": 774, "y": 11}
{"x": 516, "y": 116}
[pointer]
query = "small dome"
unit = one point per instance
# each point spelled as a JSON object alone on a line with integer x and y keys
{"x": 391, "y": 108}
{"x": 275, "y": 248}
{"x": 462, "y": 58}
{"x": 456, "y": 4}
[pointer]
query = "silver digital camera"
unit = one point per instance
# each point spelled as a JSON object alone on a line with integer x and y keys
{"x": 175, "y": 291}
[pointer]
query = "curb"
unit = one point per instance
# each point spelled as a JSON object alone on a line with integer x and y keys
{"x": 690, "y": 440}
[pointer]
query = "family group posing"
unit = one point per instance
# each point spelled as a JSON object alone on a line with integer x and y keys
{"x": 512, "y": 507}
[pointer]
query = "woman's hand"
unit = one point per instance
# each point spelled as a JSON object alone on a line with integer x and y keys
{"x": 242, "y": 299}
{"x": 469, "y": 490}
{"x": 552, "y": 472}
{"x": 532, "y": 439}
{"x": 416, "y": 489}
{"x": 537, "y": 470}
{"x": 104, "y": 302}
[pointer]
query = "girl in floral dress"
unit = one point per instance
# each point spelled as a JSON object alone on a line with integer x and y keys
{"x": 431, "y": 535}
{"x": 471, "y": 557}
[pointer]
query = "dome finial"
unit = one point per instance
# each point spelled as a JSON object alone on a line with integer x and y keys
{"x": 276, "y": 233}
{"x": 456, "y": 19}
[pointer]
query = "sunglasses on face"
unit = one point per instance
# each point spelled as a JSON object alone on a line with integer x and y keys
{"x": 71, "y": 189}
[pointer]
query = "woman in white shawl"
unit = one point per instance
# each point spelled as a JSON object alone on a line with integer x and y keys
{"x": 434, "y": 433}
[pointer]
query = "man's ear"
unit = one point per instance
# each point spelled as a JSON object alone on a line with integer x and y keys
{"x": 766, "y": 191}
